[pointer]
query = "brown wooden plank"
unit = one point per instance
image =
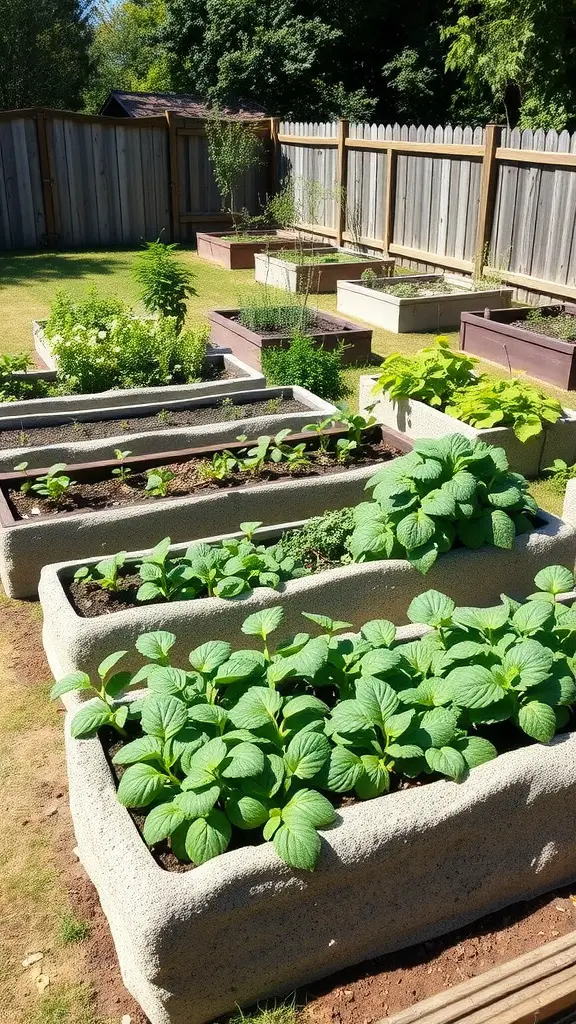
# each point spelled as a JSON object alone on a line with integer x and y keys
{"x": 487, "y": 196}
{"x": 450, "y": 262}
{"x": 341, "y": 179}
{"x": 534, "y": 156}
{"x": 174, "y": 177}
{"x": 46, "y": 175}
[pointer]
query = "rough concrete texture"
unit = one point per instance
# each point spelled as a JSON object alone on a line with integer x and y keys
{"x": 151, "y": 441}
{"x": 425, "y": 313}
{"x": 244, "y": 377}
{"x": 29, "y": 545}
{"x": 352, "y": 593}
{"x": 394, "y": 871}
{"x": 415, "y": 419}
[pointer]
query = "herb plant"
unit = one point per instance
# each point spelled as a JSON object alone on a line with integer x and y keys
{"x": 308, "y": 365}
{"x": 261, "y": 311}
{"x": 268, "y": 739}
{"x": 93, "y": 312}
{"x": 559, "y": 473}
{"x": 165, "y": 281}
{"x": 562, "y": 325}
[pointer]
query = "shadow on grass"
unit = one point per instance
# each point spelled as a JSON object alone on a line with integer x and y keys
{"x": 22, "y": 268}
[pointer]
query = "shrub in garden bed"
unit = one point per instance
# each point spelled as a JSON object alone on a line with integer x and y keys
{"x": 320, "y": 368}
{"x": 273, "y": 739}
{"x": 17, "y": 383}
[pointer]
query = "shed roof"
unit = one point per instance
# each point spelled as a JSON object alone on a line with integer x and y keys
{"x": 147, "y": 104}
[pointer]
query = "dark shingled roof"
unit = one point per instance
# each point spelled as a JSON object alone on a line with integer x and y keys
{"x": 147, "y": 104}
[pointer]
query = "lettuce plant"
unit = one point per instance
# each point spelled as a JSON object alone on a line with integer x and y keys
{"x": 267, "y": 738}
{"x": 447, "y": 491}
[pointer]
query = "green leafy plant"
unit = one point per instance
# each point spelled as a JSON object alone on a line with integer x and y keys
{"x": 446, "y": 491}
{"x": 560, "y": 473}
{"x": 268, "y": 739}
{"x": 308, "y": 365}
{"x": 94, "y": 312}
{"x": 322, "y": 542}
{"x": 368, "y": 276}
{"x": 559, "y": 325}
{"x": 157, "y": 481}
{"x": 106, "y": 573}
{"x": 165, "y": 281}
{"x": 260, "y": 310}
{"x": 431, "y": 376}
{"x": 14, "y": 386}
{"x": 122, "y": 472}
{"x": 53, "y": 484}
{"x": 507, "y": 402}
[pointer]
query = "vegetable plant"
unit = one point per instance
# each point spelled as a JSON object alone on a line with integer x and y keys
{"x": 165, "y": 281}
{"x": 430, "y": 376}
{"x": 106, "y": 573}
{"x": 157, "y": 481}
{"x": 507, "y": 402}
{"x": 268, "y": 739}
{"x": 52, "y": 484}
{"x": 122, "y": 472}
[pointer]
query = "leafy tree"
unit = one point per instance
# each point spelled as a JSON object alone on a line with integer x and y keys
{"x": 125, "y": 50}
{"x": 44, "y": 53}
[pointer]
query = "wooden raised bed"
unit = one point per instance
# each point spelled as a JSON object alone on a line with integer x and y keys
{"x": 226, "y": 331}
{"x": 236, "y": 254}
{"x": 489, "y": 334}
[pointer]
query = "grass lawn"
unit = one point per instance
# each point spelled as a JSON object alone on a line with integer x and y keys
{"x": 45, "y": 905}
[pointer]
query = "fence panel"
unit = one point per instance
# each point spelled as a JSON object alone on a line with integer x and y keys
{"x": 22, "y": 219}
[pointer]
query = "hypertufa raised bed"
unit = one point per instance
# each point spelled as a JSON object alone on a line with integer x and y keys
{"x": 237, "y": 252}
{"x": 433, "y": 310}
{"x": 327, "y": 330}
{"x": 94, "y": 434}
{"x": 225, "y": 374}
{"x": 393, "y": 871}
{"x": 415, "y": 419}
{"x": 491, "y": 335}
{"x": 26, "y": 545}
{"x": 355, "y": 592}
{"x": 317, "y": 277}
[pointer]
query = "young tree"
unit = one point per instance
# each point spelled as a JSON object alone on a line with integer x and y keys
{"x": 234, "y": 149}
{"x": 43, "y": 53}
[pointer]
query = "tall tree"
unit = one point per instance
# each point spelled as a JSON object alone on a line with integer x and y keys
{"x": 125, "y": 52}
{"x": 43, "y": 53}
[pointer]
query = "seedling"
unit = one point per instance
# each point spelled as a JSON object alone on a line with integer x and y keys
{"x": 122, "y": 472}
{"x": 163, "y": 417}
{"x": 106, "y": 573}
{"x": 52, "y": 485}
{"x": 158, "y": 480}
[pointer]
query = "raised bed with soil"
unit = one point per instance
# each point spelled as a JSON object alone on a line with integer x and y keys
{"x": 91, "y": 518}
{"x": 170, "y": 928}
{"x": 506, "y": 337}
{"x": 353, "y": 592}
{"x": 327, "y": 330}
{"x": 71, "y": 437}
{"x": 415, "y": 419}
{"x": 438, "y": 306}
{"x": 224, "y": 373}
{"x": 237, "y": 252}
{"x": 313, "y": 274}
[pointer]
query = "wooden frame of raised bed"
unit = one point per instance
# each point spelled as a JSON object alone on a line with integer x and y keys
{"x": 237, "y": 254}
{"x": 317, "y": 277}
{"x": 26, "y": 545}
{"x": 489, "y": 334}
{"x": 247, "y": 344}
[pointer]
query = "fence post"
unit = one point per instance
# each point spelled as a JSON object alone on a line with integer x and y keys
{"x": 342, "y": 179}
{"x": 174, "y": 178}
{"x": 492, "y": 138}
{"x": 46, "y": 176}
{"x": 389, "y": 199}
{"x": 274, "y": 156}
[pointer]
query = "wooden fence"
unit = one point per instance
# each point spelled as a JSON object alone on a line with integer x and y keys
{"x": 76, "y": 180}
{"x": 457, "y": 198}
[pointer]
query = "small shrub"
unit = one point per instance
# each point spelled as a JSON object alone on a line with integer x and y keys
{"x": 559, "y": 473}
{"x": 166, "y": 283}
{"x": 93, "y": 312}
{"x": 14, "y": 388}
{"x": 307, "y": 365}
{"x": 322, "y": 542}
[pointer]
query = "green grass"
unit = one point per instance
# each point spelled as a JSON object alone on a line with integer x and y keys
{"x": 275, "y": 1013}
{"x": 66, "y": 1004}
{"x": 72, "y": 929}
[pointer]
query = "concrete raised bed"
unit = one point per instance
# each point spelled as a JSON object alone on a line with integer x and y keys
{"x": 393, "y": 871}
{"x": 226, "y": 331}
{"x": 154, "y": 440}
{"x": 424, "y": 313}
{"x": 237, "y": 254}
{"x": 415, "y": 419}
{"x": 313, "y": 278}
{"x": 240, "y": 376}
{"x": 354, "y": 593}
{"x": 490, "y": 335}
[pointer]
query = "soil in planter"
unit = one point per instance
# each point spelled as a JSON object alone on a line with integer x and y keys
{"x": 562, "y": 326}
{"x": 316, "y": 324}
{"x": 189, "y": 479}
{"x": 223, "y": 410}
{"x": 413, "y": 289}
{"x": 261, "y": 239}
{"x": 316, "y": 259}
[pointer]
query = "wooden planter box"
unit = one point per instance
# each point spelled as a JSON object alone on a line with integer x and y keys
{"x": 393, "y": 871}
{"x": 425, "y": 313}
{"x": 219, "y": 247}
{"x": 490, "y": 335}
{"x": 415, "y": 419}
{"x": 355, "y": 592}
{"x": 227, "y": 332}
{"x": 314, "y": 278}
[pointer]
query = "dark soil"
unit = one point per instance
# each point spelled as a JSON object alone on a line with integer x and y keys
{"x": 223, "y": 410}
{"x": 318, "y": 325}
{"x": 189, "y": 479}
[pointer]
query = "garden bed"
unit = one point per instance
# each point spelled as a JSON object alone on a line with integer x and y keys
{"x": 415, "y": 419}
{"x": 71, "y": 437}
{"x": 237, "y": 252}
{"x": 437, "y": 302}
{"x": 327, "y": 330}
{"x": 313, "y": 274}
{"x": 355, "y": 592}
{"x": 169, "y": 928}
{"x": 26, "y": 545}
{"x": 224, "y": 373}
{"x": 507, "y": 337}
